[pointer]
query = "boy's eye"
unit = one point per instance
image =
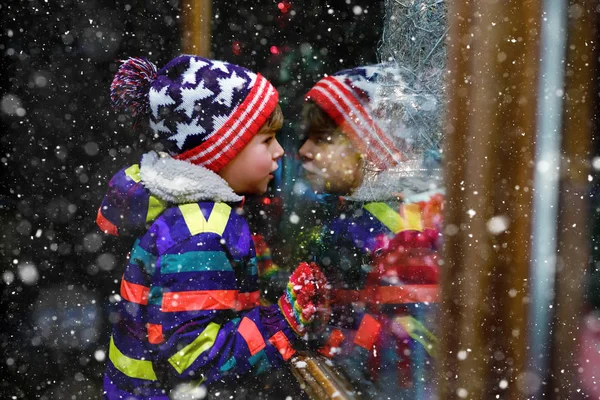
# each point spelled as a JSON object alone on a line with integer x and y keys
{"x": 323, "y": 139}
{"x": 269, "y": 139}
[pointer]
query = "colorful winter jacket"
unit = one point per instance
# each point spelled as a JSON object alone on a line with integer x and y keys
{"x": 189, "y": 311}
{"x": 381, "y": 260}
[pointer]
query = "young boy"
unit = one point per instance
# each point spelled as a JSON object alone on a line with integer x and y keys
{"x": 379, "y": 251}
{"x": 189, "y": 312}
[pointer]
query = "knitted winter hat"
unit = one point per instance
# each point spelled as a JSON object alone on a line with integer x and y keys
{"x": 391, "y": 119}
{"x": 373, "y": 108}
{"x": 203, "y": 111}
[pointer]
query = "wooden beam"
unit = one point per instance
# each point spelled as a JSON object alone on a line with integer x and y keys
{"x": 489, "y": 148}
{"x": 574, "y": 231}
{"x": 196, "y": 18}
{"x": 319, "y": 380}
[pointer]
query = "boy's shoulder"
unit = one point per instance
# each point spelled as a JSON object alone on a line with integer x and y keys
{"x": 203, "y": 218}
{"x": 362, "y": 222}
{"x": 206, "y": 224}
{"x": 206, "y": 215}
{"x": 353, "y": 215}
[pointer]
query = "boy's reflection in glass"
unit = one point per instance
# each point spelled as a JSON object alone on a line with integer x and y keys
{"x": 379, "y": 246}
{"x": 331, "y": 164}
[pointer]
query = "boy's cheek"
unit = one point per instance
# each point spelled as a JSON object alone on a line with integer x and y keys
{"x": 317, "y": 183}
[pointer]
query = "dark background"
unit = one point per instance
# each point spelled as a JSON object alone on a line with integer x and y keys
{"x": 60, "y": 142}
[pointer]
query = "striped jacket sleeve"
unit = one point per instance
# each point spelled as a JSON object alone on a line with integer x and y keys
{"x": 203, "y": 307}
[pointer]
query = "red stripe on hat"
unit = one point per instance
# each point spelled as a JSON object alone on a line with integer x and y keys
{"x": 350, "y": 106}
{"x": 377, "y": 146}
{"x": 286, "y": 309}
{"x": 358, "y": 136}
{"x": 238, "y": 130}
{"x": 248, "y": 126}
{"x": 379, "y": 134}
{"x": 329, "y": 102}
{"x": 337, "y": 100}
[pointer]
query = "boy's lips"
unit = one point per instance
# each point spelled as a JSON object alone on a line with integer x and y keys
{"x": 309, "y": 169}
{"x": 272, "y": 174}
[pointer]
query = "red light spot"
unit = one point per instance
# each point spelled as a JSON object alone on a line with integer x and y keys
{"x": 236, "y": 48}
{"x": 274, "y": 50}
{"x": 284, "y": 6}
{"x": 266, "y": 201}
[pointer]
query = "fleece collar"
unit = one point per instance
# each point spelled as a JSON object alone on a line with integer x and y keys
{"x": 181, "y": 182}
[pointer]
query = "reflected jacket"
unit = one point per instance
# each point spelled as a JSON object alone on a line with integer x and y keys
{"x": 189, "y": 310}
{"x": 381, "y": 259}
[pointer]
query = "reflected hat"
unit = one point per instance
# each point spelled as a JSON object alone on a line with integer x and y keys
{"x": 203, "y": 111}
{"x": 390, "y": 116}
{"x": 353, "y": 99}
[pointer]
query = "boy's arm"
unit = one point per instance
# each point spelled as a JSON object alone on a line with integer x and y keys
{"x": 210, "y": 322}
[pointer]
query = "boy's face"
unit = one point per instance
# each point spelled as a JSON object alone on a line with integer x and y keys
{"x": 252, "y": 168}
{"x": 331, "y": 164}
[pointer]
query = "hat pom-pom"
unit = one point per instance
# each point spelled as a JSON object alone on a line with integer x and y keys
{"x": 131, "y": 85}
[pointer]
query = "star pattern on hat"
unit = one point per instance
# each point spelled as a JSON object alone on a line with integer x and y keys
{"x": 228, "y": 85}
{"x": 194, "y": 98}
{"x": 219, "y": 121}
{"x": 184, "y": 130}
{"x": 160, "y": 98}
{"x": 190, "y": 75}
{"x": 159, "y": 126}
{"x": 250, "y": 76}
{"x": 220, "y": 65}
{"x": 371, "y": 70}
{"x": 368, "y": 87}
{"x": 189, "y": 97}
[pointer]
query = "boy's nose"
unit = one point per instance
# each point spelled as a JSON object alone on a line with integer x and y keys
{"x": 277, "y": 151}
{"x": 306, "y": 151}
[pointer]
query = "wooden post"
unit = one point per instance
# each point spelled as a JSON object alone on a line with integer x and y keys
{"x": 196, "y": 18}
{"x": 489, "y": 148}
{"x": 574, "y": 230}
{"x": 320, "y": 381}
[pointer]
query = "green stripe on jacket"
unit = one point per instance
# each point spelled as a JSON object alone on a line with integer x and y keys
{"x": 195, "y": 261}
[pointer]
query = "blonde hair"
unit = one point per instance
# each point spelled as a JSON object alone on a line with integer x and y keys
{"x": 317, "y": 120}
{"x": 274, "y": 122}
